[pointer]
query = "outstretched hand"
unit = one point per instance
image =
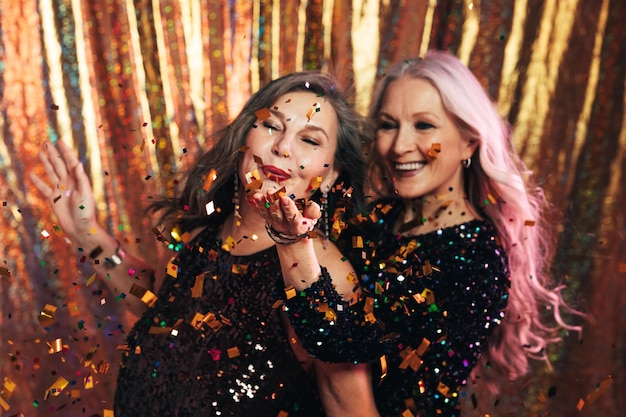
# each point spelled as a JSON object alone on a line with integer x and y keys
{"x": 284, "y": 215}
{"x": 70, "y": 194}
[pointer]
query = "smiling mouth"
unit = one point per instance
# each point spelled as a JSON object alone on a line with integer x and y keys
{"x": 409, "y": 166}
{"x": 275, "y": 174}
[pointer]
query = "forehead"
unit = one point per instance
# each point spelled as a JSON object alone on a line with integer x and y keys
{"x": 414, "y": 94}
{"x": 306, "y": 104}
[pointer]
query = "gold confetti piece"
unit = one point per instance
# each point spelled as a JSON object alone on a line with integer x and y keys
{"x": 55, "y": 346}
{"x": 529, "y": 222}
{"x": 427, "y": 268}
{"x": 407, "y": 413}
{"x": 368, "y": 307}
{"x": 46, "y": 316}
{"x": 56, "y": 388}
{"x": 330, "y": 314}
{"x": 4, "y": 272}
{"x": 429, "y": 295}
{"x": 198, "y": 285}
{"x": 599, "y": 390}
{"x": 422, "y": 347}
{"x": 290, "y": 292}
{"x": 5, "y": 406}
{"x": 491, "y": 198}
{"x": 434, "y": 151}
{"x": 239, "y": 269}
{"x": 316, "y": 182}
{"x": 8, "y": 387}
{"x": 89, "y": 356}
{"x": 233, "y": 352}
{"x": 278, "y": 194}
{"x": 383, "y": 367}
{"x": 258, "y": 160}
{"x": 352, "y": 278}
{"x": 354, "y": 298}
{"x": 147, "y": 296}
{"x": 208, "y": 181}
{"x": 185, "y": 237}
{"x": 108, "y": 413}
{"x": 282, "y": 413}
{"x": 357, "y": 242}
{"x": 72, "y": 308}
{"x": 410, "y": 358}
{"x": 229, "y": 244}
{"x": 75, "y": 393}
{"x": 88, "y": 382}
{"x": 263, "y": 114}
{"x": 172, "y": 269}
{"x": 159, "y": 330}
{"x": 443, "y": 389}
{"x": 277, "y": 304}
{"x": 175, "y": 233}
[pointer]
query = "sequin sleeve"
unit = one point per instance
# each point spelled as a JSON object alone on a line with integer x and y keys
{"x": 331, "y": 328}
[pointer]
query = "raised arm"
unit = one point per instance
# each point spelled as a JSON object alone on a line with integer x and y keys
{"x": 73, "y": 203}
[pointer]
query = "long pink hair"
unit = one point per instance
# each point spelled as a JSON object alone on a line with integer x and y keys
{"x": 498, "y": 185}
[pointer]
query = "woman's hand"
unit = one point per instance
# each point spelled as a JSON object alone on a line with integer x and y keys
{"x": 70, "y": 194}
{"x": 284, "y": 215}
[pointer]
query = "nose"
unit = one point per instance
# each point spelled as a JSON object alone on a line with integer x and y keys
{"x": 404, "y": 141}
{"x": 282, "y": 145}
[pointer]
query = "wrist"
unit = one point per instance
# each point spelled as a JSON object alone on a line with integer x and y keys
{"x": 284, "y": 238}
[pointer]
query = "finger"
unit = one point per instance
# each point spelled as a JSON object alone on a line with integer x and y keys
{"x": 83, "y": 185}
{"x": 71, "y": 160}
{"x": 43, "y": 188}
{"x": 312, "y": 210}
{"x": 47, "y": 166}
{"x": 56, "y": 161}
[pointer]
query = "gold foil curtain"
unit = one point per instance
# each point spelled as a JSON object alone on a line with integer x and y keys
{"x": 136, "y": 87}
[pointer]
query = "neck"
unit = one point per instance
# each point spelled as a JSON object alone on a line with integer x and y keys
{"x": 432, "y": 212}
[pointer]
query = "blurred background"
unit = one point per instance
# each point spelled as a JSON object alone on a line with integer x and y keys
{"x": 136, "y": 87}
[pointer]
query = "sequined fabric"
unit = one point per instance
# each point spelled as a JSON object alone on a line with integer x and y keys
{"x": 222, "y": 354}
{"x": 431, "y": 301}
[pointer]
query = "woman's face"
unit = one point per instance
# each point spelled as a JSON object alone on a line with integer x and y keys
{"x": 292, "y": 145}
{"x": 418, "y": 141}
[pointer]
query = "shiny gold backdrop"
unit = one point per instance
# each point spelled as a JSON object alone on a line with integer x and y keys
{"x": 137, "y": 86}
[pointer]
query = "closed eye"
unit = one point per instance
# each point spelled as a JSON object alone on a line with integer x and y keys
{"x": 310, "y": 141}
{"x": 270, "y": 127}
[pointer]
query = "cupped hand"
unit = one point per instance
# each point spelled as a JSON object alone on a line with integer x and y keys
{"x": 284, "y": 215}
{"x": 70, "y": 192}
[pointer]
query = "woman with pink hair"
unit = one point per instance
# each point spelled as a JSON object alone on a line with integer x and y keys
{"x": 451, "y": 262}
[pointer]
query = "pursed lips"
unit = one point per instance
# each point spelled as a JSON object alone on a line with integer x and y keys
{"x": 275, "y": 173}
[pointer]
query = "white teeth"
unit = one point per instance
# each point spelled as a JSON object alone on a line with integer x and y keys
{"x": 411, "y": 166}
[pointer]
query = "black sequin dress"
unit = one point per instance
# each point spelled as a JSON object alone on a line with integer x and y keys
{"x": 224, "y": 353}
{"x": 429, "y": 305}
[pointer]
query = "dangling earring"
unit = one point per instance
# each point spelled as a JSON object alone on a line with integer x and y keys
{"x": 467, "y": 162}
{"x": 235, "y": 200}
{"x": 324, "y": 208}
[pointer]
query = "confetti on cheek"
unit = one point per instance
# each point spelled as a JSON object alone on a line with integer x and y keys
{"x": 435, "y": 150}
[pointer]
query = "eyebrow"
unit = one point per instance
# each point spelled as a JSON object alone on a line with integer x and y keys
{"x": 309, "y": 126}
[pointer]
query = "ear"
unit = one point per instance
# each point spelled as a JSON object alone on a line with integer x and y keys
{"x": 330, "y": 178}
{"x": 470, "y": 147}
